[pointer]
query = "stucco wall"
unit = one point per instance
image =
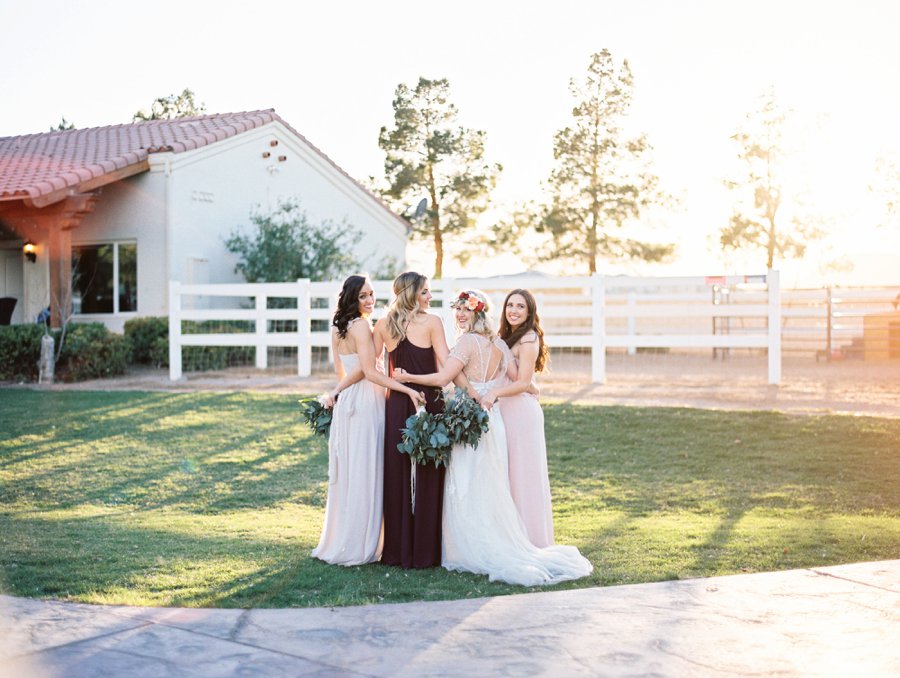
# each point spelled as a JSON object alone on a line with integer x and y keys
{"x": 180, "y": 212}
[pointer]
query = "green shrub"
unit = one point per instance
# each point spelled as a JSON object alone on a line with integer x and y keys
{"x": 90, "y": 351}
{"x": 144, "y": 334}
{"x": 20, "y": 351}
{"x": 159, "y": 352}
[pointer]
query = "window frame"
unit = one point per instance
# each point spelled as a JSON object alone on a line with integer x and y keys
{"x": 115, "y": 244}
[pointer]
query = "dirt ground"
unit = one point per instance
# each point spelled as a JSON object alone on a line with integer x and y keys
{"x": 701, "y": 381}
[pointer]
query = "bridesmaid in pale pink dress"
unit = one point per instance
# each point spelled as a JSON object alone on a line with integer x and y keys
{"x": 352, "y": 531}
{"x": 520, "y": 328}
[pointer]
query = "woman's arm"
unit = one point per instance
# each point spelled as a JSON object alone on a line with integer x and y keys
{"x": 365, "y": 349}
{"x": 451, "y": 369}
{"x": 527, "y": 356}
{"x": 441, "y": 352}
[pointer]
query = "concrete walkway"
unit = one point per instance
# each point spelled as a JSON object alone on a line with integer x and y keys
{"x": 832, "y": 621}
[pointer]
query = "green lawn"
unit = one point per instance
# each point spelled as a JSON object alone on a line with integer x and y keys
{"x": 203, "y": 499}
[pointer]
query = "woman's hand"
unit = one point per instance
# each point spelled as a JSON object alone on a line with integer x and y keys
{"x": 327, "y": 400}
{"x": 487, "y": 402}
{"x": 400, "y": 375}
{"x": 417, "y": 397}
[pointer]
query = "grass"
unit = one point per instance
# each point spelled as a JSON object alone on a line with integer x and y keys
{"x": 202, "y": 499}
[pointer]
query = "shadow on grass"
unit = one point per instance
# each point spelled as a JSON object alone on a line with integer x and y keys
{"x": 205, "y": 452}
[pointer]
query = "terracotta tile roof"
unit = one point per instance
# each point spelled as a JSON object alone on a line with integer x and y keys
{"x": 35, "y": 166}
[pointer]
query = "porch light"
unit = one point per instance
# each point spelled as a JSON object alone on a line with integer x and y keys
{"x": 30, "y": 251}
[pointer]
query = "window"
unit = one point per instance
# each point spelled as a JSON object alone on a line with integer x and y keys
{"x": 104, "y": 278}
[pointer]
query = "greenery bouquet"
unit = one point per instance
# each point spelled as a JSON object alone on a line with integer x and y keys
{"x": 466, "y": 420}
{"x": 430, "y": 437}
{"x": 317, "y": 416}
{"x": 425, "y": 438}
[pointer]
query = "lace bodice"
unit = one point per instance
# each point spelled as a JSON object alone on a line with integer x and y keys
{"x": 474, "y": 352}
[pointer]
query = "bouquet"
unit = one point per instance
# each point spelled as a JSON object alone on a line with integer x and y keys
{"x": 465, "y": 419}
{"x": 430, "y": 437}
{"x": 317, "y": 416}
{"x": 425, "y": 438}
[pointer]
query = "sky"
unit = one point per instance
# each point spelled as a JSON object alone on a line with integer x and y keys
{"x": 330, "y": 70}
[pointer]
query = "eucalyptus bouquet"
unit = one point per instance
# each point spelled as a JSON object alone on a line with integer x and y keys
{"x": 430, "y": 437}
{"x": 317, "y": 416}
{"x": 425, "y": 438}
{"x": 465, "y": 418}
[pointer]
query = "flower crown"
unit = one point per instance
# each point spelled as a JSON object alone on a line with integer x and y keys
{"x": 470, "y": 301}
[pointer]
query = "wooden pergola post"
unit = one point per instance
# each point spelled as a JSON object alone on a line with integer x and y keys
{"x": 51, "y": 226}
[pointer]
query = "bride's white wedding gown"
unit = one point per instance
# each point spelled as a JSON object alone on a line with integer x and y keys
{"x": 482, "y": 531}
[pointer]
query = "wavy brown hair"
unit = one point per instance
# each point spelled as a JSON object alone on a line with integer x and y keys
{"x": 532, "y": 324}
{"x": 348, "y": 304}
{"x": 406, "y": 302}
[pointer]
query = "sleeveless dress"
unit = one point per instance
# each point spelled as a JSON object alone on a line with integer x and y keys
{"x": 483, "y": 532}
{"x": 529, "y": 483}
{"x": 352, "y": 534}
{"x": 412, "y": 535}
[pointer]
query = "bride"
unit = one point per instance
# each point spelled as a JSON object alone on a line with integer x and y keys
{"x": 482, "y": 531}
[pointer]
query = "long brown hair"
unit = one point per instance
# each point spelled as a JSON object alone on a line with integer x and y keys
{"x": 531, "y": 324}
{"x": 348, "y": 304}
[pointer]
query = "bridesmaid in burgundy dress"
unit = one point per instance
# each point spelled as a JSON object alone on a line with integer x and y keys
{"x": 415, "y": 341}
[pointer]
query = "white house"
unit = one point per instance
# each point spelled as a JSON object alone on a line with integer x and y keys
{"x": 140, "y": 204}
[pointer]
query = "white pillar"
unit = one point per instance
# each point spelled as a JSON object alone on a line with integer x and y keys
{"x": 774, "y": 288}
{"x": 598, "y": 329}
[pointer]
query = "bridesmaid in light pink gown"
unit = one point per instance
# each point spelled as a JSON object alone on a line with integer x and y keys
{"x": 352, "y": 532}
{"x": 520, "y": 328}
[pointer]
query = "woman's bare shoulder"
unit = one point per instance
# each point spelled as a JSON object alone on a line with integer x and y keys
{"x": 360, "y": 327}
{"x": 529, "y": 338}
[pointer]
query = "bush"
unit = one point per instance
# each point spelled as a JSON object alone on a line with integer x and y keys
{"x": 20, "y": 351}
{"x": 146, "y": 335}
{"x": 90, "y": 351}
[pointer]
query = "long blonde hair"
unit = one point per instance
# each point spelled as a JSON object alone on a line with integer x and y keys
{"x": 405, "y": 305}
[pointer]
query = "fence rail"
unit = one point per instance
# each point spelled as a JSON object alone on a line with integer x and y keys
{"x": 596, "y": 313}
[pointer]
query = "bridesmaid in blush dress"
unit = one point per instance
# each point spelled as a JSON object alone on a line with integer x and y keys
{"x": 520, "y": 328}
{"x": 352, "y": 531}
{"x": 416, "y": 343}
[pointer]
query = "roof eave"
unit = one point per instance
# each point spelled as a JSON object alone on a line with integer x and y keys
{"x": 43, "y": 200}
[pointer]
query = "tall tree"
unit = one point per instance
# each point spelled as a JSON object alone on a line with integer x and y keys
{"x": 173, "y": 106}
{"x": 760, "y": 189}
{"x": 429, "y": 155}
{"x": 601, "y": 181}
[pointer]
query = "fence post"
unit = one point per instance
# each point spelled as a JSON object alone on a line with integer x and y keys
{"x": 447, "y": 318}
{"x": 174, "y": 330}
{"x": 304, "y": 331}
{"x": 632, "y": 321}
{"x": 598, "y": 329}
{"x": 262, "y": 328}
{"x": 774, "y": 289}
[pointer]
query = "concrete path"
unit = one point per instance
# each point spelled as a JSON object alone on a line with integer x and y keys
{"x": 832, "y": 621}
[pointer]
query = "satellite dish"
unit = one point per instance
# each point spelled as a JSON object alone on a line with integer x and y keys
{"x": 420, "y": 209}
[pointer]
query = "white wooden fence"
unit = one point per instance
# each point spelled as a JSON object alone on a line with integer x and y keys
{"x": 597, "y": 312}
